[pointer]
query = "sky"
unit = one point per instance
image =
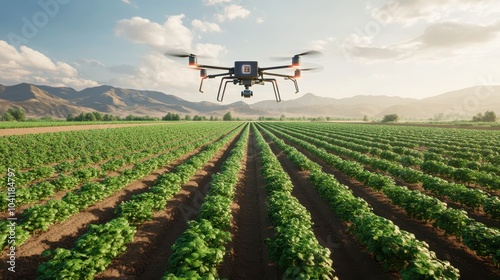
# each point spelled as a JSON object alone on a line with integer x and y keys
{"x": 406, "y": 48}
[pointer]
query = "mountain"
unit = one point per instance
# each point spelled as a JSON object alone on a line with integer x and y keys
{"x": 462, "y": 103}
{"x": 36, "y": 102}
{"x": 41, "y": 100}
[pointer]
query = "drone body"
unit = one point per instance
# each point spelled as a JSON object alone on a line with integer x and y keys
{"x": 247, "y": 74}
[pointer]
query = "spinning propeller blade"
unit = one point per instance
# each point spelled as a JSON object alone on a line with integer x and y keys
{"x": 178, "y": 54}
{"x": 312, "y": 69}
{"x": 309, "y": 53}
{"x": 184, "y": 54}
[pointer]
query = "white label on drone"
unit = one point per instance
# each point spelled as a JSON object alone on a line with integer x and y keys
{"x": 246, "y": 69}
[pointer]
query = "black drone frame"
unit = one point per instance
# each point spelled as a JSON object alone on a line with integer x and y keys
{"x": 247, "y": 82}
{"x": 247, "y": 74}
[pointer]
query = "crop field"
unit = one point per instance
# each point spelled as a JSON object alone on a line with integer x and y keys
{"x": 251, "y": 200}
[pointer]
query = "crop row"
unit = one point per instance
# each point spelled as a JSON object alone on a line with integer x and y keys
{"x": 461, "y": 144}
{"x": 475, "y": 235}
{"x": 131, "y": 214}
{"x": 394, "y": 248}
{"x": 76, "y": 149}
{"x": 200, "y": 249}
{"x": 294, "y": 246}
{"x": 32, "y": 150}
{"x": 67, "y": 182}
{"x": 428, "y": 162}
{"x": 470, "y": 197}
{"x": 462, "y": 158}
{"x": 40, "y": 217}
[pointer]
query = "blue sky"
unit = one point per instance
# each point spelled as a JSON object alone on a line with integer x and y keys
{"x": 404, "y": 48}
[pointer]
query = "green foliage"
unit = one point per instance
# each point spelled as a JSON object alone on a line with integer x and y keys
{"x": 390, "y": 118}
{"x": 294, "y": 246}
{"x": 489, "y": 116}
{"x": 227, "y": 117}
{"x": 171, "y": 117}
{"x": 91, "y": 254}
{"x": 8, "y": 117}
{"x": 14, "y": 114}
{"x": 394, "y": 248}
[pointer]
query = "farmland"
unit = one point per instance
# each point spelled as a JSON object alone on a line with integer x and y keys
{"x": 259, "y": 200}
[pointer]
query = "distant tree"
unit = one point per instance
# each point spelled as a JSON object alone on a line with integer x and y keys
{"x": 390, "y": 118}
{"x": 478, "y": 117}
{"x": 187, "y": 117}
{"x": 70, "y": 117}
{"x": 8, "y": 117}
{"x": 79, "y": 118}
{"x": 97, "y": 116}
{"x": 489, "y": 116}
{"x": 197, "y": 118}
{"x": 108, "y": 118}
{"x": 282, "y": 118}
{"x": 90, "y": 117}
{"x": 227, "y": 117}
{"x": 167, "y": 117}
{"x": 18, "y": 114}
{"x": 365, "y": 118}
{"x": 46, "y": 118}
{"x": 129, "y": 118}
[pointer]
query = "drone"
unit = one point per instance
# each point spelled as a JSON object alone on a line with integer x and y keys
{"x": 246, "y": 73}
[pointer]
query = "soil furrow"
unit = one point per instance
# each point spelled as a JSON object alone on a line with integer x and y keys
{"x": 147, "y": 256}
{"x": 248, "y": 257}
{"x": 446, "y": 248}
{"x": 331, "y": 232}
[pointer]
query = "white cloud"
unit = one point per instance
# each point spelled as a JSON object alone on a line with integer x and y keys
{"x": 410, "y": 11}
{"x": 156, "y": 72}
{"x": 259, "y": 20}
{"x": 438, "y": 41}
{"x": 451, "y": 34}
{"x": 29, "y": 65}
{"x": 215, "y": 2}
{"x": 172, "y": 34}
{"x": 93, "y": 62}
{"x": 320, "y": 45}
{"x": 232, "y": 12}
{"x": 210, "y": 50}
{"x": 205, "y": 26}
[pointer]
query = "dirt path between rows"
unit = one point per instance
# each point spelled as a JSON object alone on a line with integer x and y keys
{"x": 36, "y": 130}
{"x": 447, "y": 248}
{"x": 248, "y": 257}
{"x": 65, "y": 234}
{"x": 347, "y": 254}
{"x": 147, "y": 256}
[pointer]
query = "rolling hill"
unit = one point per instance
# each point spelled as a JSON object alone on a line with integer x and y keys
{"x": 58, "y": 102}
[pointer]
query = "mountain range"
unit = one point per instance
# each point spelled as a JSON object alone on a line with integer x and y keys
{"x": 58, "y": 102}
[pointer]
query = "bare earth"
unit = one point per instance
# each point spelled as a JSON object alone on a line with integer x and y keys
{"x": 35, "y": 130}
{"x": 147, "y": 256}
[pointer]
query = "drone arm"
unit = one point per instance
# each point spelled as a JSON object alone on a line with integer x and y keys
{"x": 218, "y": 75}
{"x": 275, "y": 67}
{"x": 287, "y": 77}
{"x": 230, "y": 69}
{"x": 277, "y": 75}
